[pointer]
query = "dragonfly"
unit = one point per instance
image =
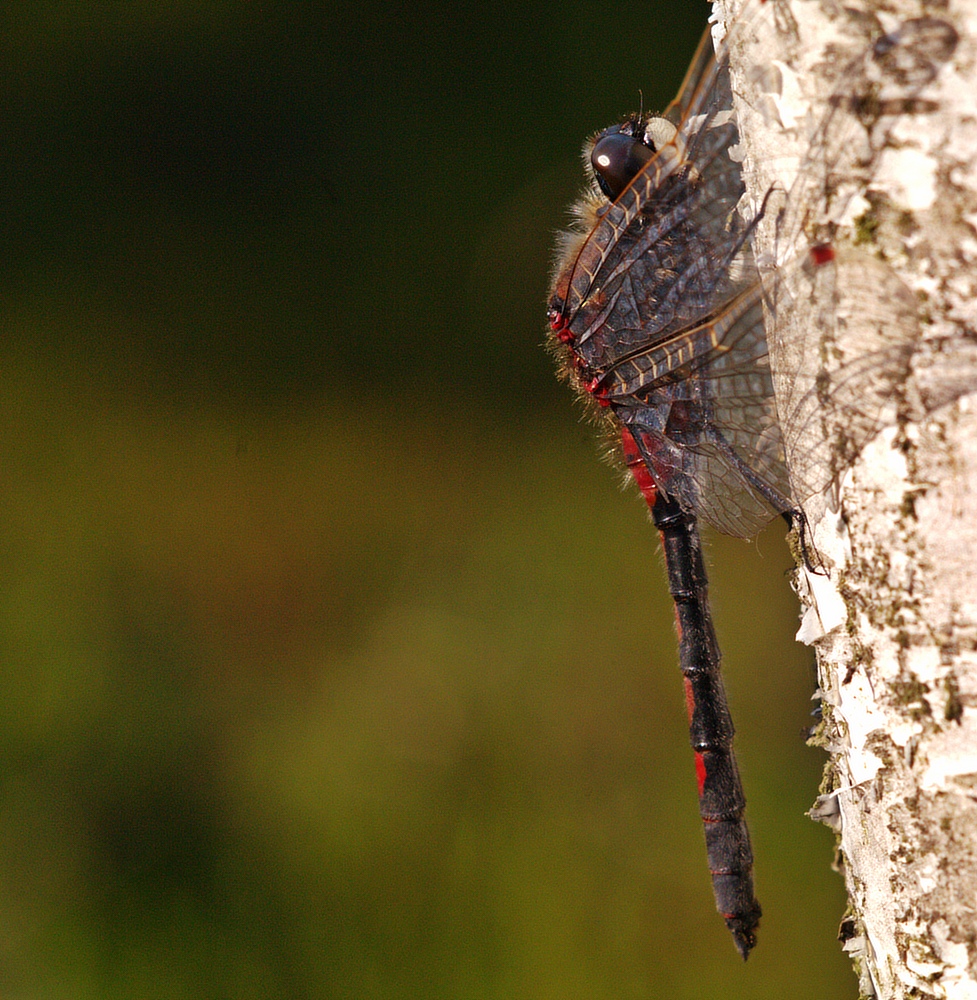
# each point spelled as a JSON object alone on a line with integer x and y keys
{"x": 662, "y": 317}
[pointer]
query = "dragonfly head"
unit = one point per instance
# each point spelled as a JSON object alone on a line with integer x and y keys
{"x": 621, "y": 152}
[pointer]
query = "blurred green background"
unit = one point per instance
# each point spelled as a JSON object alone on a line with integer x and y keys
{"x": 334, "y": 663}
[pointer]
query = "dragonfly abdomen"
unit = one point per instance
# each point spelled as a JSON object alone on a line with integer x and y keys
{"x": 721, "y": 798}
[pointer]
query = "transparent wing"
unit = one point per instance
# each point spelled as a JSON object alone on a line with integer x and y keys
{"x": 838, "y": 378}
{"x": 709, "y": 394}
{"x": 643, "y": 267}
{"x": 666, "y": 317}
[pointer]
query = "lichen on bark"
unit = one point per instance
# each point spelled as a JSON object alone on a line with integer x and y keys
{"x": 892, "y": 610}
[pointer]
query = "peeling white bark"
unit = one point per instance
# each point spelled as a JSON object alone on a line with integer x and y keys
{"x": 894, "y": 615}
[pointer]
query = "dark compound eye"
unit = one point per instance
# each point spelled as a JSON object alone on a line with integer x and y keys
{"x": 617, "y": 158}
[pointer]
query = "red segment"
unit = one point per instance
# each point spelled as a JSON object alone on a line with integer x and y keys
{"x": 637, "y": 468}
{"x": 689, "y": 699}
{"x": 700, "y": 772}
{"x": 630, "y": 446}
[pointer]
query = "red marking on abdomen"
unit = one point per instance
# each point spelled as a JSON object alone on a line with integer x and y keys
{"x": 700, "y": 761}
{"x": 637, "y": 468}
{"x": 700, "y": 772}
{"x": 689, "y": 698}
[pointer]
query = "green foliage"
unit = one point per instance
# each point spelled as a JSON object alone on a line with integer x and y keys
{"x": 332, "y": 661}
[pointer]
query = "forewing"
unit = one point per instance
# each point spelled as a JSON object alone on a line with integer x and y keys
{"x": 709, "y": 391}
{"x": 667, "y": 318}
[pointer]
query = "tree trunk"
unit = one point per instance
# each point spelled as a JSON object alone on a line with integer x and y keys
{"x": 891, "y": 604}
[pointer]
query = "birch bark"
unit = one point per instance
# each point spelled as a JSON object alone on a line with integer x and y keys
{"x": 893, "y": 614}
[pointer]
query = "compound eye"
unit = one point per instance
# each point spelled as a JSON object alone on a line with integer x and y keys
{"x": 617, "y": 160}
